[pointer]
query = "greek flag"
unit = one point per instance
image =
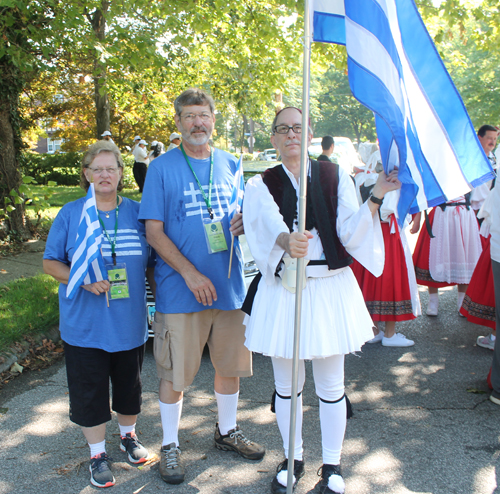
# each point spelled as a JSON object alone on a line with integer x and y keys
{"x": 236, "y": 200}
{"x": 395, "y": 70}
{"x": 87, "y": 265}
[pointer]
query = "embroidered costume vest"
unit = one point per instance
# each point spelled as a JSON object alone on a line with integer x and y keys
{"x": 321, "y": 210}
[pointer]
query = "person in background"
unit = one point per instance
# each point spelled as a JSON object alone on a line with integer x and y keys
{"x": 487, "y": 135}
{"x": 175, "y": 141}
{"x": 107, "y": 136}
{"x": 479, "y": 302}
{"x": 157, "y": 149}
{"x": 393, "y": 296}
{"x": 450, "y": 256}
{"x": 152, "y": 150}
{"x": 103, "y": 343}
{"x": 327, "y": 145}
{"x": 140, "y": 169}
{"x": 184, "y": 206}
{"x": 491, "y": 213}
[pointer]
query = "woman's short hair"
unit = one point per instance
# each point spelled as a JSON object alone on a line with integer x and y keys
{"x": 90, "y": 155}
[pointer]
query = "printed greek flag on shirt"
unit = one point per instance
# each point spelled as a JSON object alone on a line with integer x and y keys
{"x": 87, "y": 265}
{"x": 395, "y": 70}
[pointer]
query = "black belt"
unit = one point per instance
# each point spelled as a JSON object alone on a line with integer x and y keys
{"x": 252, "y": 289}
{"x": 443, "y": 206}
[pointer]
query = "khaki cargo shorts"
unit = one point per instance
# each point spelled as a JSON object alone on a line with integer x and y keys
{"x": 181, "y": 338}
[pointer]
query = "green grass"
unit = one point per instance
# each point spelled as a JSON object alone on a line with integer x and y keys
{"x": 27, "y": 307}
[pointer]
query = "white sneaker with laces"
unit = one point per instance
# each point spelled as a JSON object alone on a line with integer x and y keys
{"x": 377, "y": 338}
{"x": 486, "y": 342}
{"x": 397, "y": 340}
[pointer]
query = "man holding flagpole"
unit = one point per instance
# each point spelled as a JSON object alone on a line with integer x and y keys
{"x": 185, "y": 206}
{"x": 334, "y": 319}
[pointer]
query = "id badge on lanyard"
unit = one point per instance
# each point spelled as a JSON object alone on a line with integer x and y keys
{"x": 214, "y": 231}
{"x": 118, "y": 280}
{"x": 214, "y": 235}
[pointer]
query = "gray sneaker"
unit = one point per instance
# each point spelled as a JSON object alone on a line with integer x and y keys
{"x": 171, "y": 467}
{"x": 235, "y": 440}
{"x": 100, "y": 472}
{"x": 131, "y": 445}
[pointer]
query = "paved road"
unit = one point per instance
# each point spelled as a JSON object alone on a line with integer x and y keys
{"x": 421, "y": 425}
{"x": 27, "y": 263}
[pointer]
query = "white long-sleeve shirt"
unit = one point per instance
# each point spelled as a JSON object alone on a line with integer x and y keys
{"x": 140, "y": 154}
{"x": 357, "y": 228}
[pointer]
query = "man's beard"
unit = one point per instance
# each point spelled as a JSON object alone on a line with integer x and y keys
{"x": 196, "y": 141}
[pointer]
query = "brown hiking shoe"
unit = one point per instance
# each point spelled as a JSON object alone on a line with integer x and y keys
{"x": 171, "y": 467}
{"x": 235, "y": 440}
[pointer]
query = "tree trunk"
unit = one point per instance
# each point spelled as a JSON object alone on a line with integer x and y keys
{"x": 100, "y": 90}
{"x": 243, "y": 130}
{"x": 10, "y": 178}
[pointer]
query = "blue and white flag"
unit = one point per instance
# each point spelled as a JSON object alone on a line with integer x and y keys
{"x": 238, "y": 191}
{"x": 87, "y": 265}
{"x": 395, "y": 71}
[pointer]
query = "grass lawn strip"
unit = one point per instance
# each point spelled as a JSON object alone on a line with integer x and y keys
{"x": 28, "y": 306}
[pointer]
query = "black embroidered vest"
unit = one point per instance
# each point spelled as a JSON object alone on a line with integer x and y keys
{"x": 322, "y": 198}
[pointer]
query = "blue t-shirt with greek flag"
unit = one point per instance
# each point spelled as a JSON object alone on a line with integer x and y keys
{"x": 85, "y": 320}
{"x": 171, "y": 195}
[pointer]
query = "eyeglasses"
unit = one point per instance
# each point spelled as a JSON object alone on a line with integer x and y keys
{"x": 284, "y": 129}
{"x": 191, "y": 117}
{"x": 100, "y": 171}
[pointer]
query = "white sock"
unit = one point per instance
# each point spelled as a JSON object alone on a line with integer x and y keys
{"x": 170, "y": 420}
{"x": 460, "y": 299}
{"x": 282, "y": 407}
{"x": 492, "y": 337}
{"x": 434, "y": 296}
{"x": 97, "y": 448}
{"x": 333, "y": 420}
{"x": 126, "y": 429}
{"x": 227, "y": 406}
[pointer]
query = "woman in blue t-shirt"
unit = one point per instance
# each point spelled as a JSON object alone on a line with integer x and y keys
{"x": 103, "y": 324}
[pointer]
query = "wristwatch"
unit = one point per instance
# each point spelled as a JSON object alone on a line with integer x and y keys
{"x": 376, "y": 200}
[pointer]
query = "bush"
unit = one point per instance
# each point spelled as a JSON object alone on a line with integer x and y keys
{"x": 246, "y": 156}
{"x": 62, "y": 168}
{"x": 128, "y": 176}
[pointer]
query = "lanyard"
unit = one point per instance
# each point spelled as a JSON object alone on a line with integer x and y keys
{"x": 208, "y": 200}
{"x": 113, "y": 243}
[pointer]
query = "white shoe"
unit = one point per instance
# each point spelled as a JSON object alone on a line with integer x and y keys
{"x": 485, "y": 342}
{"x": 398, "y": 340}
{"x": 377, "y": 338}
{"x": 432, "y": 307}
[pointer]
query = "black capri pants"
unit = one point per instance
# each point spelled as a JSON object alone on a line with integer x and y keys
{"x": 89, "y": 371}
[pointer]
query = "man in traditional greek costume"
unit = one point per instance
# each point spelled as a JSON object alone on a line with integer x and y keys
{"x": 334, "y": 317}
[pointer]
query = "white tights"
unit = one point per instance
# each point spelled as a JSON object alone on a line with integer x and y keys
{"x": 329, "y": 382}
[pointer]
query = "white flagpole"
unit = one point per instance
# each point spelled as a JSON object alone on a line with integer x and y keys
{"x": 304, "y": 161}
